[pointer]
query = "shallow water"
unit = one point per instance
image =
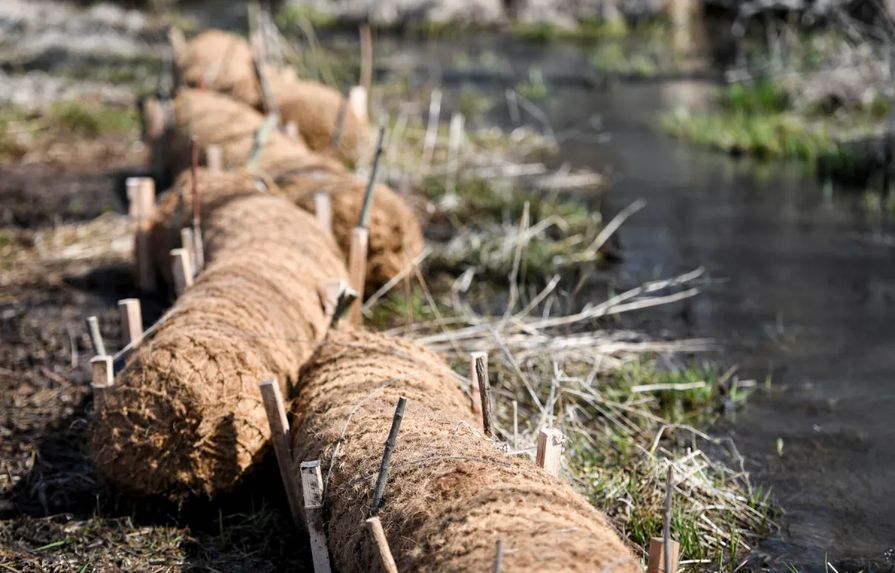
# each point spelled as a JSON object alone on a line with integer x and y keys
{"x": 801, "y": 288}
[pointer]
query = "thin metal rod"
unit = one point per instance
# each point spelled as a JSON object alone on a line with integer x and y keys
{"x": 371, "y": 185}
{"x": 96, "y": 337}
{"x": 387, "y": 456}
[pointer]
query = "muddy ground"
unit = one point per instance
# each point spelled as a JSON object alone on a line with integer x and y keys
{"x": 64, "y": 255}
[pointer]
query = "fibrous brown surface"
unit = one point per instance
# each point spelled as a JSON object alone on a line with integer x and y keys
{"x": 222, "y": 62}
{"x": 451, "y": 492}
{"x": 395, "y": 236}
{"x": 185, "y": 416}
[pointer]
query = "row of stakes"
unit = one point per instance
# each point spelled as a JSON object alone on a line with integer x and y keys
{"x": 307, "y": 499}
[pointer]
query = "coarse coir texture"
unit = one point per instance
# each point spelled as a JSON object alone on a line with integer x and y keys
{"x": 222, "y": 62}
{"x": 451, "y": 492}
{"x": 185, "y": 416}
{"x": 395, "y": 236}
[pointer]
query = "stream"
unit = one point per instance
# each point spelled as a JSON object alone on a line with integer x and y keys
{"x": 800, "y": 289}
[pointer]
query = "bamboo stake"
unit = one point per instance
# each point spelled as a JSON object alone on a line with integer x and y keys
{"x": 549, "y": 454}
{"x": 197, "y": 249}
{"x": 366, "y": 59}
{"x": 214, "y": 158}
{"x": 312, "y": 488}
{"x": 374, "y": 526}
{"x": 102, "y": 377}
{"x": 279, "y": 432}
{"x": 431, "y": 128}
{"x": 182, "y": 270}
{"x": 479, "y": 364}
{"x": 131, "y": 320}
{"x": 387, "y": 456}
{"x": 96, "y": 337}
{"x": 323, "y": 209}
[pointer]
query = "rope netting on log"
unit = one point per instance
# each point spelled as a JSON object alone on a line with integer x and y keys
{"x": 184, "y": 416}
{"x": 451, "y": 492}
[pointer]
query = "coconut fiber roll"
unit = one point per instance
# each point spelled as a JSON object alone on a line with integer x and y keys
{"x": 185, "y": 415}
{"x": 222, "y": 62}
{"x": 451, "y": 492}
{"x": 395, "y": 236}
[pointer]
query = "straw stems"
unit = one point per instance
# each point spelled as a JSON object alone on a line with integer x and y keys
{"x": 549, "y": 454}
{"x": 387, "y": 456}
{"x": 279, "y": 432}
{"x": 131, "y": 321}
{"x": 312, "y": 490}
{"x": 374, "y": 526}
{"x": 96, "y": 337}
{"x": 431, "y": 128}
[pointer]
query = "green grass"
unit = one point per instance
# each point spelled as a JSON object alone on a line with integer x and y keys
{"x": 762, "y": 121}
{"x": 90, "y": 121}
{"x": 534, "y": 87}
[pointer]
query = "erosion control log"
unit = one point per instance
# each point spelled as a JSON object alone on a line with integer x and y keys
{"x": 222, "y": 62}
{"x": 185, "y": 416}
{"x": 451, "y": 492}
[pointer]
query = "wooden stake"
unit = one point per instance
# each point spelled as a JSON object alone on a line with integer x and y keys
{"x": 549, "y": 454}
{"x": 102, "y": 377}
{"x": 657, "y": 552}
{"x": 96, "y": 337}
{"x": 387, "y": 456}
{"x": 474, "y": 387}
{"x": 214, "y": 158}
{"x": 479, "y": 365}
{"x": 131, "y": 321}
{"x": 324, "y": 211}
{"x": 279, "y": 437}
{"x": 312, "y": 488}
{"x": 187, "y": 244}
{"x": 197, "y": 250}
{"x": 374, "y": 526}
{"x": 357, "y": 270}
{"x": 357, "y": 99}
{"x": 142, "y": 208}
{"x": 431, "y": 128}
{"x": 182, "y": 269}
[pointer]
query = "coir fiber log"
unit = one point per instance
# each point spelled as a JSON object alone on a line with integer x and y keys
{"x": 395, "y": 234}
{"x": 221, "y": 61}
{"x": 451, "y": 493}
{"x": 185, "y": 416}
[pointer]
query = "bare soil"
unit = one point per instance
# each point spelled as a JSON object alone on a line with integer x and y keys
{"x": 64, "y": 255}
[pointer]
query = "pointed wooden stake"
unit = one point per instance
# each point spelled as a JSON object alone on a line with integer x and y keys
{"x": 324, "y": 211}
{"x": 187, "y": 244}
{"x": 515, "y": 425}
{"x": 214, "y": 158}
{"x": 102, "y": 378}
{"x": 96, "y": 337}
{"x": 374, "y": 526}
{"x": 664, "y": 549}
{"x": 549, "y": 454}
{"x": 479, "y": 367}
{"x": 366, "y": 59}
{"x": 357, "y": 270}
{"x": 182, "y": 270}
{"x": 279, "y": 432}
{"x": 312, "y": 488}
{"x": 141, "y": 191}
{"x": 131, "y": 320}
